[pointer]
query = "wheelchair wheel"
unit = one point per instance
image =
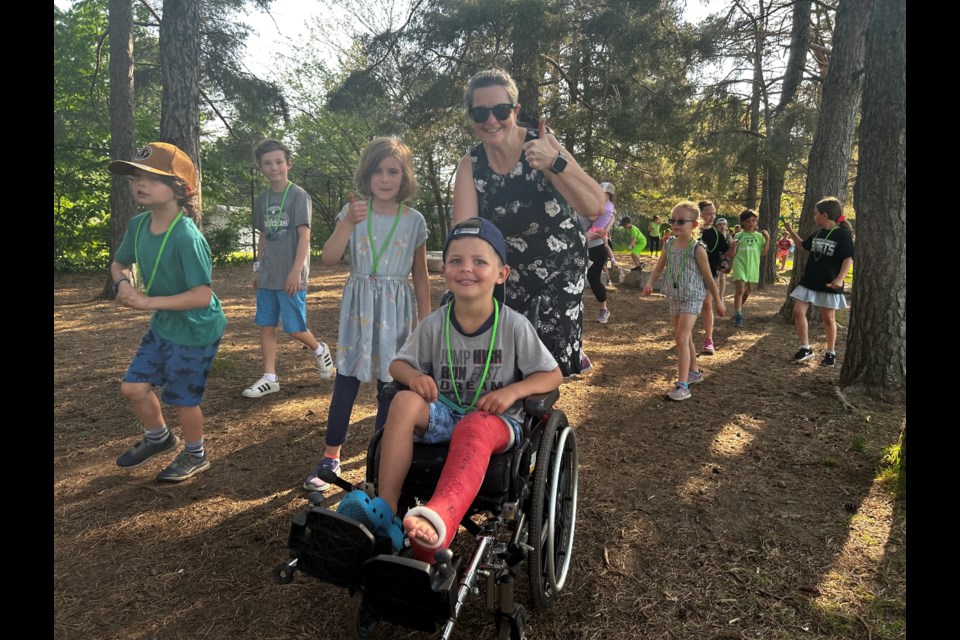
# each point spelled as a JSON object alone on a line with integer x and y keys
{"x": 361, "y": 619}
{"x": 553, "y": 511}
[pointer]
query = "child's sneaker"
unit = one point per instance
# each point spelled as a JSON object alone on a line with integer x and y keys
{"x": 585, "y": 364}
{"x": 679, "y": 393}
{"x": 829, "y": 360}
{"x": 143, "y": 451}
{"x": 261, "y": 388}
{"x": 803, "y": 354}
{"x": 314, "y": 483}
{"x": 325, "y": 362}
{"x": 708, "y": 348}
{"x": 694, "y": 377}
{"x": 604, "y": 316}
{"x": 186, "y": 465}
{"x": 738, "y": 319}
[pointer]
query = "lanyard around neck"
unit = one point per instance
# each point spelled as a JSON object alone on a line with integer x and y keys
{"x": 486, "y": 367}
{"x": 277, "y": 218}
{"x": 373, "y": 249}
{"x": 136, "y": 252}
{"x": 677, "y": 276}
{"x": 823, "y": 244}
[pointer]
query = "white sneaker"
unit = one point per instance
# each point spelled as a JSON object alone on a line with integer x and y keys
{"x": 261, "y": 388}
{"x": 324, "y": 362}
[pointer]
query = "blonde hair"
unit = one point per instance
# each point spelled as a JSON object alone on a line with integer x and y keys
{"x": 375, "y": 153}
{"x": 689, "y": 205}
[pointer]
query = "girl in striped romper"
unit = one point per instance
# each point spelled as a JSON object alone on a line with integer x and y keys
{"x": 687, "y": 278}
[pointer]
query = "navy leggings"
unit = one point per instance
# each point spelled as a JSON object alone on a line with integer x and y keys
{"x": 345, "y": 389}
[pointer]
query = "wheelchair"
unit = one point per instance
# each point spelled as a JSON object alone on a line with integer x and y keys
{"x": 528, "y": 507}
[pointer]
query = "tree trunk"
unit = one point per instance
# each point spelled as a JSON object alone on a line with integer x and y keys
{"x": 829, "y": 161}
{"x": 123, "y": 131}
{"x": 527, "y": 66}
{"x": 180, "y": 68}
{"x": 442, "y": 204}
{"x": 876, "y": 357}
{"x": 778, "y": 154}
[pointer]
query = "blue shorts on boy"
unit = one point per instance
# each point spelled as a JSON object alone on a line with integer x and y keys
{"x": 443, "y": 420}
{"x": 182, "y": 371}
{"x": 274, "y": 305}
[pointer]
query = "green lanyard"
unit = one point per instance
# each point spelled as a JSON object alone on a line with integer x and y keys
{"x": 373, "y": 249}
{"x": 279, "y": 216}
{"x": 715, "y": 242}
{"x": 136, "y": 253}
{"x": 486, "y": 367}
{"x": 683, "y": 264}
{"x": 819, "y": 254}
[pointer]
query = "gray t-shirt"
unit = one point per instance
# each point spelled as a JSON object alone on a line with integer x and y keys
{"x": 282, "y": 236}
{"x": 517, "y": 353}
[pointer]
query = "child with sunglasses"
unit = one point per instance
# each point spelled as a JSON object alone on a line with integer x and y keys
{"x": 387, "y": 243}
{"x": 468, "y": 367}
{"x": 688, "y": 277}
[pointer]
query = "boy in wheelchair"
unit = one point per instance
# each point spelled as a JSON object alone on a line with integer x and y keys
{"x": 467, "y": 366}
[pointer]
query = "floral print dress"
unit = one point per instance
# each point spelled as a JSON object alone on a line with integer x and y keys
{"x": 546, "y": 251}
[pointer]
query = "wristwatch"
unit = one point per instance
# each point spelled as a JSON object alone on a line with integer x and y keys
{"x": 559, "y": 163}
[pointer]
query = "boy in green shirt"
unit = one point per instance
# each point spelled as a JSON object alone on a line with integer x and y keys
{"x": 638, "y": 241}
{"x": 175, "y": 273}
{"x": 748, "y": 246}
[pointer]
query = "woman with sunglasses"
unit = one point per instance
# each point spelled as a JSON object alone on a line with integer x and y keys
{"x": 530, "y": 187}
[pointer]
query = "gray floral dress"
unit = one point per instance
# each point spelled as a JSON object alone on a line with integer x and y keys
{"x": 377, "y": 314}
{"x": 546, "y": 251}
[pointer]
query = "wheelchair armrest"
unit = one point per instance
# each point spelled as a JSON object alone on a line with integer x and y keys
{"x": 540, "y": 403}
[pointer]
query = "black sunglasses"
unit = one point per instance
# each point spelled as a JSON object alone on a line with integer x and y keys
{"x": 500, "y": 112}
{"x": 679, "y": 222}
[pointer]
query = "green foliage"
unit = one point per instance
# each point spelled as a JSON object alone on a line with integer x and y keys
{"x": 893, "y": 469}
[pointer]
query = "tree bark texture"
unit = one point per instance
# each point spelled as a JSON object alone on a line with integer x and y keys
{"x": 527, "y": 69}
{"x": 123, "y": 130}
{"x": 829, "y": 161}
{"x": 778, "y": 149}
{"x": 876, "y": 357}
{"x": 180, "y": 70}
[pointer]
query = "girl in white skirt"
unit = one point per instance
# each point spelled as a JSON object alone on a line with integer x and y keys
{"x": 831, "y": 256}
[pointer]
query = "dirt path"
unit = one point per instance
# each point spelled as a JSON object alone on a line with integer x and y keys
{"x": 749, "y": 511}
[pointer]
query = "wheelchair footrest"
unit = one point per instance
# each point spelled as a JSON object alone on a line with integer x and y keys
{"x": 332, "y": 547}
{"x": 409, "y": 592}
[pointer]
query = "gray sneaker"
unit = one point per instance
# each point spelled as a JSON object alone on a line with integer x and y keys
{"x": 679, "y": 393}
{"x": 185, "y": 465}
{"x": 325, "y": 362}
{"x": 694, "y": 377}
{"x": 143, "y": 451}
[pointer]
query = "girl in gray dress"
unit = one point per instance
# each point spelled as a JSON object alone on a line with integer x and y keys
{"x": 387, "y": 243}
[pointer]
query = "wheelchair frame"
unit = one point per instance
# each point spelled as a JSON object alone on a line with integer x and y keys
{"x": 538, "y": 511}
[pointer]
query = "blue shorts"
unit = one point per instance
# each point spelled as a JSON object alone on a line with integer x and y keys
{"x": 443, "y": 420}
{"x": 274, "y": 304}
{"x": 181, "y": 370}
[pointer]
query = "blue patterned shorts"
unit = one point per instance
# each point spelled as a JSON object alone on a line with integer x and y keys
{"x": 443, "y": 420}
{"x": 181, "y": 370}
